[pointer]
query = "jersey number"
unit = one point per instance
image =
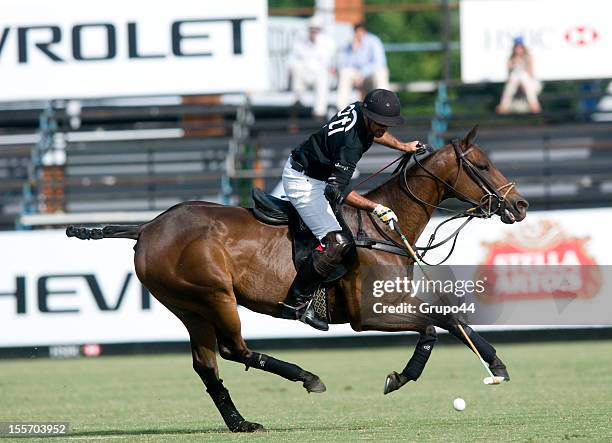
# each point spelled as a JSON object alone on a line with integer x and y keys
{"x": 344, "y": 124}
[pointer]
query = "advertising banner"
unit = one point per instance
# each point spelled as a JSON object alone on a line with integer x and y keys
{"x": 76, "y": 49}
{"x": 567, "y": 39}
{"x": 554, "y": 266}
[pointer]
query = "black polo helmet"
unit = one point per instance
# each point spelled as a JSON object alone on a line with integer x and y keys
{"x": 383, "y": 107}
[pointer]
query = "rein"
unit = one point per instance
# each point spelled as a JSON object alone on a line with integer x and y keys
{"x": 488, "y": 205}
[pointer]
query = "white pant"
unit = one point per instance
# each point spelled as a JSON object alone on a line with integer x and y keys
{"x": 302, "y": 76}
{"x": 529, "y": 85}
{"x": 346, "y": 79}
{"x": 306, "y": 194}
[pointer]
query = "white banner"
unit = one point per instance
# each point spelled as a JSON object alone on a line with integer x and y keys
{"x": 77, "y": 49}
{"x": 534, "y": 241}
{"x": 570, "y": 39}
{"x": 55, "y": 290}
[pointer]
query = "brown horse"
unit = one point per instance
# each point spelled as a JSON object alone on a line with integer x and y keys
{"x": 202, "y": 260}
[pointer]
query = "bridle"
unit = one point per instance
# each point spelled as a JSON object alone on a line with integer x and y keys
{"x": 492, "y": 202}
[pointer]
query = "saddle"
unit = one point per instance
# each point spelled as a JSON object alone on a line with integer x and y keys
{"x": 275, "y": 211}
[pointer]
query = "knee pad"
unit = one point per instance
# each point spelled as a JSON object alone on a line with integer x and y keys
{"x": 335, "y": 246}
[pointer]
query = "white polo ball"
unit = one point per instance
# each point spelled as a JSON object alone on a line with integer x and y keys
{"x": 459, "y": 404}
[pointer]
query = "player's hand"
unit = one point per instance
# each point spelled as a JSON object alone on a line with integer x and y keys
{"x": 411, "y": 146}
{"x": 385, "y": 215}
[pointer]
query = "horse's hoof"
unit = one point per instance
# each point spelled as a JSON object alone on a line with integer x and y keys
{"x": 394, "y": 381}
{"x": 498, "y": 368}
{"x": 248, "y": 426}
{"x": 313, "y": 383}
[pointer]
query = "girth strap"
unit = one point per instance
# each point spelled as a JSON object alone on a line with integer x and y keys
{"x": 362, "y": 241}
{"x": 380, "y": 245}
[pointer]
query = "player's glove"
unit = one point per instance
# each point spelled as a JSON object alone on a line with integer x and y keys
{"x": 333, "y": 192}
{"x": 385, "y": 215}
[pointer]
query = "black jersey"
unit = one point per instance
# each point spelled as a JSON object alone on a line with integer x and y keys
{"x": 335, "y": 149}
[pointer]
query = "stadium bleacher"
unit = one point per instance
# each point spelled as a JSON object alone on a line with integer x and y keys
{"x": 143, "y": 158}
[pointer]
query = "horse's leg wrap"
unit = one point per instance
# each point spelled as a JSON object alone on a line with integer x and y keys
{"x": 422, "y": 352}
{"x": 487, "y": 351}
{"x": 416, "y": 364}
{"x": 221, "y": 397}
{"x": 310, "y": 381}
{"x": 270, "y": 364}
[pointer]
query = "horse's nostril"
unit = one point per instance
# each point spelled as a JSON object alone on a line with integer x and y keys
{"x": 521, "y": 205}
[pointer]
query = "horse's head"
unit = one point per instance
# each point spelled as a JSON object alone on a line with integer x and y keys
{"x": 476, "y": 180}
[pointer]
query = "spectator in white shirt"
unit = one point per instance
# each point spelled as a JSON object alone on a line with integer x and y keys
{"x": 310, "y": 64}
{"x": 363, "y": 60}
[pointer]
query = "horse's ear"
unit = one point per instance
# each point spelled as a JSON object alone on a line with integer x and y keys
{"x": 467, "y": 141}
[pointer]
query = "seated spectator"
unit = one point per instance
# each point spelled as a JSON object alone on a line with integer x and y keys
{"x": 361, "y": 61}
{"x": 310, "y": 64}
{"x": 520, "y": 73}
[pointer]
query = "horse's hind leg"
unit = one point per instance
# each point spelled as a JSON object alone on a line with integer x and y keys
{"x": 486, "y": 350}
{"x": 415, "y": 366}
{"x": 203, "y": 338}
{"x": 233, "y": 347}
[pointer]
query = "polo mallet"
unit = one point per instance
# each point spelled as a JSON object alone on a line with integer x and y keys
{"x": 492, "y": 379}
{"x": 415, "y": 257}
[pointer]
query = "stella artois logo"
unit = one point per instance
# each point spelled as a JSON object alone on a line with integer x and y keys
{"x": 538, "y": 261}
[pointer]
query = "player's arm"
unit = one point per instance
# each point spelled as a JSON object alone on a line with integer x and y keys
{"x": 345, "y": 152}
{"x": 344, "y": 160}
{"x": 390, "y": 141}
{"x": 358, "y": 201}
{"x": 384, "y": 214}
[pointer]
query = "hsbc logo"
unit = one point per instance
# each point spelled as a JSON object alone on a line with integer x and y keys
{"x": 581, "y": 36}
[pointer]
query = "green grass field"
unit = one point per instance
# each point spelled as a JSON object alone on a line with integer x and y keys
{"x": 559, "y": 391}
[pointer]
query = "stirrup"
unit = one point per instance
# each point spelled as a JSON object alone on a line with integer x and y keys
{"x": 305, "y": 313}
{"x": 311, "y": 318}
{"x": 292, "y": 312}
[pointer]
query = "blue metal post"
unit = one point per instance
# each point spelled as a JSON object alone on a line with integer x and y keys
{"x": 439, "y": 124}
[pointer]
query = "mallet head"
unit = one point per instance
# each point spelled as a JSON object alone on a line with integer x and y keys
{"x": 495, "y": 380}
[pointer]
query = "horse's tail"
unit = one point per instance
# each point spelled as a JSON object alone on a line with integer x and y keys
{"x": 110, "y": 231}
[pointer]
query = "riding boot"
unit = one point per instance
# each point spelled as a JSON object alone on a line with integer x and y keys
{"x": 298, "y": 305}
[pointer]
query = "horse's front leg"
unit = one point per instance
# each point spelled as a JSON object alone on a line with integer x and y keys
{"x": 486, "y": 349}
{"x": 416, "y": 364}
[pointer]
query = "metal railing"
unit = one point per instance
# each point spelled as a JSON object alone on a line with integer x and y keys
{"x": 123, "y": 160}
{"x": 143, "y": 159}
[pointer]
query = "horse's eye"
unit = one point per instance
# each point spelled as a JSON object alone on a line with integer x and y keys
{"x": 484, "y": 167}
